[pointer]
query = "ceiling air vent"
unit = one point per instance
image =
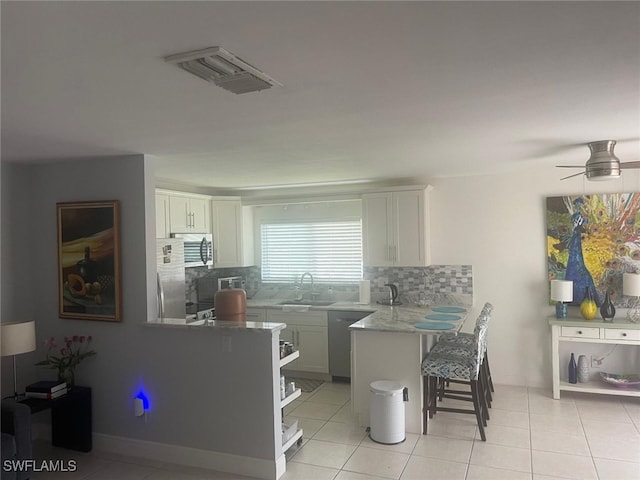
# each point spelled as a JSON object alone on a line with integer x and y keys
{"x": 223, "y": 68}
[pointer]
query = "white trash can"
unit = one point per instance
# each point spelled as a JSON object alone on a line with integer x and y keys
{"x": 386, "y": 412}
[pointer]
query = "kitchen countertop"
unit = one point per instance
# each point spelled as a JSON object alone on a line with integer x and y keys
{"x": 384, "y": 318}
{"x": 219, "y": 325}
{"x": 401, "y": 319}
{"x": 340, "y": 305}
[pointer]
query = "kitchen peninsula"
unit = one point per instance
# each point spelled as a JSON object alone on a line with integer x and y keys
{"x": 387, "y": 345}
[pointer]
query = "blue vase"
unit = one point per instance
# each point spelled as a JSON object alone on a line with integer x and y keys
{"x": 573, "y": 370}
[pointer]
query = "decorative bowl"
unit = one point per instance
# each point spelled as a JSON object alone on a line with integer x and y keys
{"x": 620, "y": 380}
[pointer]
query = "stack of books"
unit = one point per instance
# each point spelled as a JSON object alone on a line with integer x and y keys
{"x": 46, "y": 389}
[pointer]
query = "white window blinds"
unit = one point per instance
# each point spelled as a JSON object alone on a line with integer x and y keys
{"x": 330, "y": 251}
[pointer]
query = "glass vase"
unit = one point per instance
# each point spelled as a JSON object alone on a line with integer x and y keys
{"x": 67, "y": 375}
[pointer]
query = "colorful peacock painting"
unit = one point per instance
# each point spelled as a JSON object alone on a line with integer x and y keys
{"x": 592, "y": 240}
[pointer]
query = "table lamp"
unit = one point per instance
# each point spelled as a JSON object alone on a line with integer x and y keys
{"x": 631, "y": 287}
{"x": 17, "y": 338}
{"x": 561, "y": 291}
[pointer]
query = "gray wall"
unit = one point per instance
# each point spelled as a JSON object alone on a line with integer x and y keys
{"x": 184, "y": 372}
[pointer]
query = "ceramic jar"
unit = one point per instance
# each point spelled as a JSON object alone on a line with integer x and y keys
{"x": 583, "y": 369}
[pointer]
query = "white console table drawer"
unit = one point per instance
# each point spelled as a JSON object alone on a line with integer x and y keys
{"x": 580, "y": 332}
{"x": 621, "y": 334}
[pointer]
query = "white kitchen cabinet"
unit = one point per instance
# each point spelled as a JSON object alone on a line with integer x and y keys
{"x": 162, "y": 216}
{"x": 395, "y": 228}
{"x": 232, "y": 228}
{"x": 188, "y": 214}
{"x": 309, "y": 334}
{"x": 256, "y": 314}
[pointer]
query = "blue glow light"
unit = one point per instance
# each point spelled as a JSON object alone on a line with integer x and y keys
{"x": 145, "y": 400}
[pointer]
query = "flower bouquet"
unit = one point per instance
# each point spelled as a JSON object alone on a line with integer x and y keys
{"x": 68, "y": 356}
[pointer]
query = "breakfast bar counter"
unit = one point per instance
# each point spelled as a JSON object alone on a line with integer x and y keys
{"x": 390, "y": 344}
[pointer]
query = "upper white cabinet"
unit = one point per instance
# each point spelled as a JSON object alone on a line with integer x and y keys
{"x": 162, "y": 215}
{"x": 178, "y": 212}
{"x": 232, "y": 228}
{"x": 394, "y": 228}
{"x": 187, "y": 213}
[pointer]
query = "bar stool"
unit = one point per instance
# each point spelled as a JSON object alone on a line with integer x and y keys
{"x": 466, "y": 340}
{"x": 449, "y": 366}
{"x": 463, "y": 346}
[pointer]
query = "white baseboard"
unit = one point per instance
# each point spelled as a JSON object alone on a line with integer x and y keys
{"x": 192, "y": 457}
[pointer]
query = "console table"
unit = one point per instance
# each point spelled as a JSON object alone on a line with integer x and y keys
{"x": 71, "y": 424}
{"x": 619, "y": 332}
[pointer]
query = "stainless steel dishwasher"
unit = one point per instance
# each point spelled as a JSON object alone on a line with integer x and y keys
{"x": 340, "y": 342}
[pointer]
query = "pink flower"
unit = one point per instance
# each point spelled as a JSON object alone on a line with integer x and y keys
{"x": 70, "y": 354}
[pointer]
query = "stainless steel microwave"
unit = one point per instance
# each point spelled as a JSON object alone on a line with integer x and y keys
{"x": 198, "y": 248}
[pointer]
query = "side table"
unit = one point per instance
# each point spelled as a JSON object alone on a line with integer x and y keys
{"x": 71, "y": 424}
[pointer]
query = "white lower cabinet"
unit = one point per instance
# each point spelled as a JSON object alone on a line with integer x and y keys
{"x": 255, "y": 314}
{"x": 308, "y": 332}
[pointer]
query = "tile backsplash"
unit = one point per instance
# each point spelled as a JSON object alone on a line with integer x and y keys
{"x": 432, "y": 284}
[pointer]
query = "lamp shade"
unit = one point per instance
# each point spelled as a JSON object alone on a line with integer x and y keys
{"x": 562, "y": 290}
{"x": 631, "y": 284}
{"x": 18, "y": 338}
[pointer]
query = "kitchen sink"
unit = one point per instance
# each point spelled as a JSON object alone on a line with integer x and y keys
{"x": 312, "y": 303}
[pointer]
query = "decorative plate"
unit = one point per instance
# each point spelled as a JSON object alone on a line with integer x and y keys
{"x": 621, "y": 381}
{"x": 435, "y": 325}
{"x": 442, "y": 316}
{"x": 449, "y": 309}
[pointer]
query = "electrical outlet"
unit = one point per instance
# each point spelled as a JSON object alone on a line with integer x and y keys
{"x": 596, "y": 362}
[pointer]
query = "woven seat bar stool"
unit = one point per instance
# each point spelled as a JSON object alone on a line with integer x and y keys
{"x": 439, "y": 367}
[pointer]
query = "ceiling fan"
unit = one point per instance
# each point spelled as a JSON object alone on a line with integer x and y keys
{"x": 603, "y": 163}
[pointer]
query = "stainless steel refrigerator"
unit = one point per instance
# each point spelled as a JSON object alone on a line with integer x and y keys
{"x": 171, "y": 279}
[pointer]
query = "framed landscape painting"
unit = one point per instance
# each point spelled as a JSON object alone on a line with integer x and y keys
{"x": 89, "y": 282}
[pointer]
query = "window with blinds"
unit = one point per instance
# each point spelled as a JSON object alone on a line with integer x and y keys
{"x": 330, "y": 251}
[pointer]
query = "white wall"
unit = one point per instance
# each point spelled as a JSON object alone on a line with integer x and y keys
{"x": 201, "y": 397}
{"x": 21, "y": 286}
{"x": 497, "y": 224}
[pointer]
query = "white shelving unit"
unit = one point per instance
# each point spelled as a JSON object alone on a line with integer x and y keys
{"x": 297, "y": 437}
{"x": 290, "y": 398}
{"x": 596, "y": 386}
{"x": 619, "y": 332}
{"x": 289, "y": 358}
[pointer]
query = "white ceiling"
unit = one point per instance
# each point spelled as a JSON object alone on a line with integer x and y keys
{"x": 372, "y": 90}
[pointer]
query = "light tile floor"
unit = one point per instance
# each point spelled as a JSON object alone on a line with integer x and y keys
{"x": 530, "y": 436}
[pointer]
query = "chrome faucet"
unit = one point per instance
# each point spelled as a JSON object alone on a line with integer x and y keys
{"x": 312, "y": 292}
